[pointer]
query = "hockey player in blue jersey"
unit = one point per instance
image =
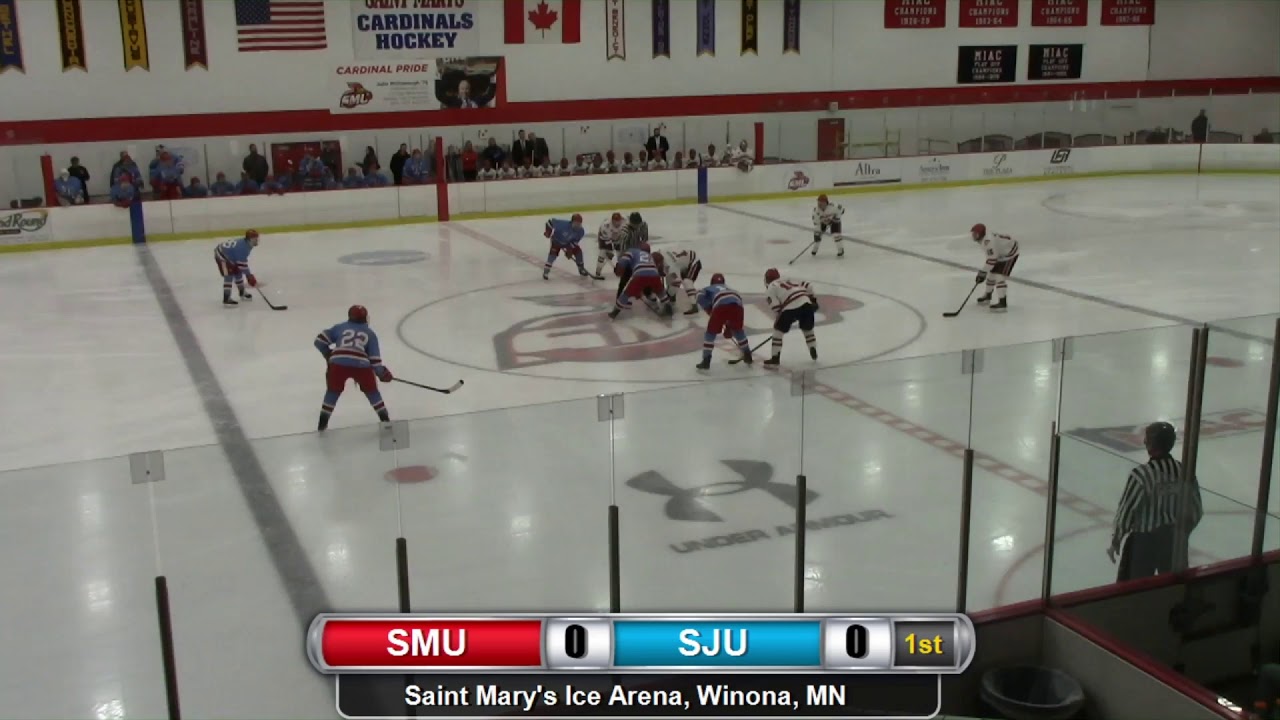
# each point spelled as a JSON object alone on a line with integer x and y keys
{"x": 351, "y": 349}
{"x": 565, "y": 236}
{"x": 232, "y": 257}
{"x": 724, "y": 305}
{"x": 641, "y": 280}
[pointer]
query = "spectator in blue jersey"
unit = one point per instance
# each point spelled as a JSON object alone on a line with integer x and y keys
{"x": 124, "y": 193}
{"x": 278, "y": 185}
{"x": 416, "y": 171}
{"x": 220, "y": 187}
{"x": 376, "y": 179}
{"x": 125, "y": 166}
{"x": 69, "y": 189}
{"x": 247, "y": 185}
{"x": 493, "y": 153}
{"x": 353, "y": 179}
{"x": 195, "y": 189}
{"x": 80, "y": 173}
{"x": 328, "y": 181}
{"x": 166, "y": 176}
{"x": 310, "y": 164}
{"x": 152, "y": 171}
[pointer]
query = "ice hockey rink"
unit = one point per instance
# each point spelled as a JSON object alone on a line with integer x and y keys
{"x": 258, "y": 522}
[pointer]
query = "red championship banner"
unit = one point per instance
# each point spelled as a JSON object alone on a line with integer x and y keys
{"x": 1128, "y": 12}
{"x": 195, "y": 52}
{"x": 1059, "y": 13}
{"x": 915, "y": 14}
{"x": 988, "y": 13}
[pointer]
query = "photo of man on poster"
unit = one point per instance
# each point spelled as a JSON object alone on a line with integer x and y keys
{"x": 467, "y": 82}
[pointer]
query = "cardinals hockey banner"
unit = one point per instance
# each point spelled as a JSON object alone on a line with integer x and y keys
{"x": 988, "y": 13}
{"x": 10, "y": 42}
{"x": 791, "y": 27}
{"x": 750, "y": 27}
{"x": 662, "y": 28}
{"x": 195, "y": 53}
{"x": 706, "y": 28}
{"x": 615, "y": 21}
{"x": 133, "y": 35}
{"x": 1128, "y": 12}
{"x": 915, "y": 14}
{"x": 1059, "y": 13}
{"x": 382, "y": 30}
{"x": 71, "y": 35}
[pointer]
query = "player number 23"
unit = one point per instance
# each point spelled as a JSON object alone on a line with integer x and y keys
{"x": 353, "y": 339}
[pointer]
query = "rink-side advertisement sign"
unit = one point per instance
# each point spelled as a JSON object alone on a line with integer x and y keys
{"x": 978, "y": 64}
{"x": 429, "y": 84}
{"x": 19, "y": 227}
{"x": 390, "y": 29}
{"x": 880, "y": 171}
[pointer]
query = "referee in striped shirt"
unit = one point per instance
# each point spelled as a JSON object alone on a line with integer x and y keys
{"x": 1146, "y": 521}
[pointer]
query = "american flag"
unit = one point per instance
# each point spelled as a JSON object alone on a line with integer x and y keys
{"x": 280, "y": 25}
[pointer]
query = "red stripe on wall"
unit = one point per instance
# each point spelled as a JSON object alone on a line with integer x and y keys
{"x": 116, "y": 129}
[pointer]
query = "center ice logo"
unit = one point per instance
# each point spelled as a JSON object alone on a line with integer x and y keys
{"x": 578, "y": 331}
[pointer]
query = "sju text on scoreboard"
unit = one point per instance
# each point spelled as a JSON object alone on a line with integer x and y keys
{"x": 641, "y": 643}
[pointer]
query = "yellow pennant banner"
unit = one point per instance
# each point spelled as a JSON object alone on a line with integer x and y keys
{"x": 133, "y": 35}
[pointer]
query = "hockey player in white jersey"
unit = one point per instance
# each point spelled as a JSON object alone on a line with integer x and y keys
{"x": 607, "y": 239}
{"x": 1002, "y": 255}
{"x": 681, "y": 269}
{"x": 793, "y": 301}
{"x": 826, "y": 219}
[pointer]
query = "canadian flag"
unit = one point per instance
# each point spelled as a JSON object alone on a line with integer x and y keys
{"x": 543, "y": 21}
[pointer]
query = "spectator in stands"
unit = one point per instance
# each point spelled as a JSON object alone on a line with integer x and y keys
{"x": 597, "y": 165}
{"x": 255, "y": 165}
{"x": 583, "y": 167}
{"x": 657, "y": 163}
{"x": 610, "y": 162}
{"x": 1262, "y": 137}
{"x": 125, "y": 166}
{"x": 69, "y": 189}
{"x": 741, "y": 157}
{"x": 123, "y": 192}
{"x": 220, "y": 187}
{"x": 628, "y": 163}
{"x": 278, "y": 185}
{"x": 470, "y": 162}
{"x": 415, "y": 170}
{"x": 375, "y": 179}
{"x": 247, "y": 185}
{"x": 331, "y": 158}
{"x": 539, "y": 148}
{"x": 519, "y": 149}
{"x": 657, "y": 144}
{"x": 195, "y": 189}
{"x": 509, "y": 171}
{"x": 369, "y": 165}
{"x": 711, "y": 159}
{"x": 493, "y": 153}
{"x": 153, "y": 172}
{"x": 398, "y": 160}
{"x": 81, "y": 173}
{"x": 529, "y": 170}
{"x": 353, "y": 179}
{"x": 1200, "y": 128}
{"x": 327, "y": 179}
{"x": 678, "y": 162}
{"x": 563, "y": 169}
{"x": 166, "y": 176}
{"x": 488, "y": 172}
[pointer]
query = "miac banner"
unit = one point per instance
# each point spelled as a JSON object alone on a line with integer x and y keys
{"x": 706, "y": 28}
{"x": 915, "y": 14}
{"x": 71, "y": 35}
{"x": 662, "y": 28}
{"x": 750, "y": 27}
{"x": 10, "y": 42}
{"x": 1128, "y": 12}
{"x": 428, "y": 28}
{"x": 988, "y": 13}
{"x": 133, "y": 35}
{"x": 791, "y": 27}
{"x": 1055, "y": 62}
{"x": 195, "y": 53}
{"x": 615, "y": 20}
{"x": 979, "y": 64}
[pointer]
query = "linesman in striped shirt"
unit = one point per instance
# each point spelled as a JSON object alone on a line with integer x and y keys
{"x": 1145, "y": 534}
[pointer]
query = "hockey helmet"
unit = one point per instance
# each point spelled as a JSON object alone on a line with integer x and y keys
{"x": 576, "y": 219}
{"x": 357, "y": 314}
{"x": 717, "y": 279}
{"x": 643, "y": 246}
{"x": 635, "y": 218}
{"x": 822, "y": 200}
{"x": 616, "y": 219}
{"x": 1160, "y": 438}
{"x": 770, "y": 275}
{"x": 251, "y": 235}
{"x": 977, "y": 232}
{"x": 656, "y": 255}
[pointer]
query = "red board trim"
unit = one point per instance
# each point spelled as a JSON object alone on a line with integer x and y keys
{"x": 123, "y": 129}
{"x": 1000, "y": 14}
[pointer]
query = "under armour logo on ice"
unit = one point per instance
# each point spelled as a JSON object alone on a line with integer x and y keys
{"x": 688, "y": 504}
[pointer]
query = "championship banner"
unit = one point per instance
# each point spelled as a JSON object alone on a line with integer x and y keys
{"x": 379, "y": 32}
{"x": 10, "y": 41}
{"x": 706, "y": 28}
{"x": 1055, "y": 62}
{"x": 133, "y": 35}
{"x": 615, "y": 21}
{"x": 987, "y": 64}
{"x": 988, "y": 13}
{"x": 791, "y": 27}
{"x": 1059, "y": 13}
{"x": 195, "y": 52}
{"x": 1128, "y": 12}
{"x": 662, "y": 28}
{"x": 915, "y": 14}
{"x": 750, "y": 27}
{"x": 71, "y": 35}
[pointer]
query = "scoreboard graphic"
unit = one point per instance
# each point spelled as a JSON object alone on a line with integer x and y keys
{"x": 640, "y": 665}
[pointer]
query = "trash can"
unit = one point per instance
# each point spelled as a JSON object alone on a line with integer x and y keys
{"x": 1032, "y": 693}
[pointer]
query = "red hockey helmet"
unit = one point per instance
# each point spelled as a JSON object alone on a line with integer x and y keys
{"x": 822, "y": 200}
{"x": 251, "y": 234}
{"x": 616, "y": 219}
{"x": 643, "y": 246}
{"x": 717, "y": 279}
{"x": 576, "y": 219}
{"x": 357, "y": 314}
{"x": 977, "y": 232}
{"x": 770, "y": 275}
{"x": 657, "y": 256}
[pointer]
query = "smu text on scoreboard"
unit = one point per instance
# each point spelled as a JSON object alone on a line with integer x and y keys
{"x": 641, "y": 643}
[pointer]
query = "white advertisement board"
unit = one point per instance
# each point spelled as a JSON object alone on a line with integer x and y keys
{"x": 19, "y": 227}
{"x": 872, "y": 171}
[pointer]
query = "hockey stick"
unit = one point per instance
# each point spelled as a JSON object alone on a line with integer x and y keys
{"x": 753, "y": 350}
{"x": 966, "y": 302}
{"x": 271, "y": 305}
{"x": 802, "y": 252}
{"x": 445, "y": 391}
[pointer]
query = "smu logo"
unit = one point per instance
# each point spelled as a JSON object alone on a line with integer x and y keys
{"x": 798, "y": 181}
{"x": 355, "y": 96}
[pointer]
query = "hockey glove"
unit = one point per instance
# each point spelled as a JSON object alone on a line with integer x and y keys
{"x": 253, "y": 281}
{"x": 384, "y": 374}
{"x": 982, "y": 277}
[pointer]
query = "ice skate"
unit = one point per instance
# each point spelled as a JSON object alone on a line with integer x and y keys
{"x": 773, "y": 361}
{"x": 999, "y": 306}
{"x": 813, "y": 353}
{"x": 228, "y": 302}
{"x": 984, "y": 299}
{"x": 704, "y": 365}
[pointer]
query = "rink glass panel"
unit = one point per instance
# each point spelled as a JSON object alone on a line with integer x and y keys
{"x": 704, "y": 479}
{"x": 884, "y": 442}
{"x": 1113, "y": 386}
{"x": 77, "y": 552}
{"x": 514, "y": 515}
